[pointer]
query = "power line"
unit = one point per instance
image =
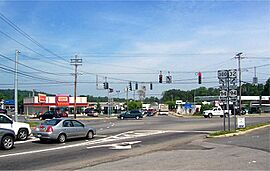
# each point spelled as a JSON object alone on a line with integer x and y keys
{"x": 7, "y": 68}
{"x": 45, "y": 57}
{"x": 42, "y": 71}
{"x": 18, "y": 29}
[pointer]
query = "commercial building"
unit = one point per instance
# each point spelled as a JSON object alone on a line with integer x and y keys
{"x": 42, "y": 103}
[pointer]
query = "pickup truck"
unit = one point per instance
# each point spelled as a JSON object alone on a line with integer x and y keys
{"x": 216, "y": 111}
{"x": 22, "y": 130}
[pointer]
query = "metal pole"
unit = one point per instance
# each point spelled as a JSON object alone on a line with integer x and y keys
{"x": 127, "y": 97}
{"x": 234, "y": 116}
{"x": 16, "y": 86}
{"x": 109, "y": 106}
{"x": 228, "y": 101}
{"x": 238, "y": 56}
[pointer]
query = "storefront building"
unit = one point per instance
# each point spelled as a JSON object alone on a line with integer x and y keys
{"x": 43, "y": 103}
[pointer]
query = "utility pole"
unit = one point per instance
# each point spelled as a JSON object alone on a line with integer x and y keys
{"x": 127, "y": 96}
{"x": 16, "y": 85}
{"x": 76, "y": 62}
{"x": 239, "y": 57}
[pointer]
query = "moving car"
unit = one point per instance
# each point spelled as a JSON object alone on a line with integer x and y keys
{"x": 137, "y": 114}
{"x": 49, "y": 115}
{"x": 22, "y": 130}
{"x": 62, "y": 129}
{"x": 7, "y": 138}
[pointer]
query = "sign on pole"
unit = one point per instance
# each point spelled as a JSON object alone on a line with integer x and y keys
{"x": 222, "y": 74}
{"x": 241, "y": 122}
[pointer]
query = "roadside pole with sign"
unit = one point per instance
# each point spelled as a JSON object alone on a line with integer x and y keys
{"x": 241, "y": 122}
{"x": 228, "y": 91}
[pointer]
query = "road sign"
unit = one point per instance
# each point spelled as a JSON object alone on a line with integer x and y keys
{"x": 232, "y": 73}
{"x": 169, "y": 79}
{"x": 233, "y": 93}
{"x": 233, "y": 81}
{"x": 233, "y": 99}
{"x": 222, "y": 74}
{"x": 223, "y": 98}
{"x": 241, "y": 122}
{"x": 223, "y": 93}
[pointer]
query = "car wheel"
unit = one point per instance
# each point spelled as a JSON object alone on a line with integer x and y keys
{"x": 205, "y": 116}
{"x": 90, "y": 135}
{"x": 137, "y": 117}
{"x": 22, "y": 134}
{"x": 210, "y": 115}
{"x": 62, "y": 138}
{"x": 122, "y": 118}
{"x": 7, "y": 142}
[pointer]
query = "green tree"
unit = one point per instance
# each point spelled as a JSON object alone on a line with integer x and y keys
{"x": 171, "y": 104}
{"x": 205, "y": 107}
{"x": 98, "y": 107}
{"x": 134, "y": 105}
{"x": 266, "y": 89}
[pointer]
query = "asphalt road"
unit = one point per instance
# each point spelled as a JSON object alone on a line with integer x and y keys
{"x": 116, "y": 140}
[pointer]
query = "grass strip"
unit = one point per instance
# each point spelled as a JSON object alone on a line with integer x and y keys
{"x": 218, "y": 133}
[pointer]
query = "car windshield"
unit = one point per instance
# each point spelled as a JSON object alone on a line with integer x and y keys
{"x": 51, "y": 122}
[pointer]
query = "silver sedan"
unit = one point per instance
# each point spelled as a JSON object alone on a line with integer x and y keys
{"x": 62, "y": 129}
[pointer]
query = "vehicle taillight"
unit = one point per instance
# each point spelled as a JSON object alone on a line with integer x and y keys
{"x": 49, "y": 129}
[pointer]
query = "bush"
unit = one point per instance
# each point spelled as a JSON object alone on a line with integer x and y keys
{"x": 134, "y": 105}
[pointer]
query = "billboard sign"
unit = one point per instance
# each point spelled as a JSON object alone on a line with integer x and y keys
{"x": 62, "y": 100}
{"x": 42, "y": 98}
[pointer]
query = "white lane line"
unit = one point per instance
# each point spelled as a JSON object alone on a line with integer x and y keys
{"x": 121, "y": 136}
{"x": 117, "y": 145}
{"x": 101, "y": 136}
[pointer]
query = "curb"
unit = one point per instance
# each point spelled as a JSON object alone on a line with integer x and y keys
{"x": 237, "y": 133}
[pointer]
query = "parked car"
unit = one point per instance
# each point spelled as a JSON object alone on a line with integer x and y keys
{"x": 49, "y": 115}
{"x": 3, "y": 111}
{"x": 7, "y": 138}
{"x": 22, "y": 130}
{"x": 254, "y": 109}
{"x": 91, "y": 112}
{"x": 63, "y": 114}
{"x": 137, "y": 114}
{"x": 62, "y": 129}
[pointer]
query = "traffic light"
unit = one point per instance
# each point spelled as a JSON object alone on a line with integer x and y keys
{"x": 136, "y": 86}
{"x": 130, "y": 86}
{"x": 160, "y": 77}
{"x": 151, "y": 86}
{"x": 106, "y": 85}
{"x": 199, "y": 77}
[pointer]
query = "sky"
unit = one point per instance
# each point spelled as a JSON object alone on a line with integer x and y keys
{"x": 122, "y": 41}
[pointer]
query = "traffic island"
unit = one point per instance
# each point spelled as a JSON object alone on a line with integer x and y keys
{"x": 239, "y": 131}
